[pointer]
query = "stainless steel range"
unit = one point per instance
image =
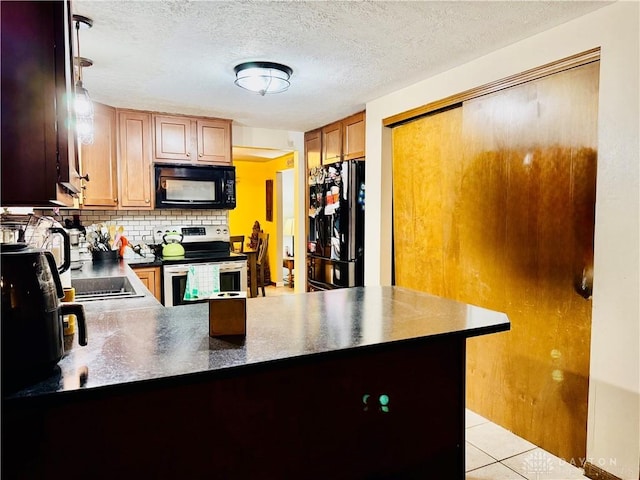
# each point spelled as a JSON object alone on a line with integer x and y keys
{"x": 203, "y": 244}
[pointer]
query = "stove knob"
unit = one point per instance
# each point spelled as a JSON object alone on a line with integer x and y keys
{"x": 218, "y": 231}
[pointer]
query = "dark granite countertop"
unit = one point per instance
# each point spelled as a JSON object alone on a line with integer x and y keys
{"x": 139, "y": 261}
{"x": 132, "y": 344}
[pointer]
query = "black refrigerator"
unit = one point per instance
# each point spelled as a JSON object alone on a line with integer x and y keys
{"x": 335, "y": 246}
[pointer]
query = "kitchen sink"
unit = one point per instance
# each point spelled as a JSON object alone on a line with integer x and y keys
{"x": 104, "y": 288}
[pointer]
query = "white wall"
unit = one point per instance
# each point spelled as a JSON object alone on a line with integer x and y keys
{"x": 288, "y": 178}
{"x": 613, "y": 428}
{"x": 267, "y": 138}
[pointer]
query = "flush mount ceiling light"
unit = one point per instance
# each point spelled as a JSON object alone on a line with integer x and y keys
{"x": 83, "y": 105}
{"x": 263, "y": 77}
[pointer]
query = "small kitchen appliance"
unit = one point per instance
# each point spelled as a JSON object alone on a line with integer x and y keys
{"x": 38, "y": 232}
{"x": 203, "y": 245}
{"x": 190, "y": 186}
{"x": 32, "y": 316}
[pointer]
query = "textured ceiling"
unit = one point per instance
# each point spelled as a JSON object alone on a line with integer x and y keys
{"x": 179, "y": 56}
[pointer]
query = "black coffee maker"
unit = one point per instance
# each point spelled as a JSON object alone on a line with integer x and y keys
{"x": 32, "y": 327}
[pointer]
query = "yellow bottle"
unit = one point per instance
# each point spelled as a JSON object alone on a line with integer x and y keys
{"x": 69, "y": 320}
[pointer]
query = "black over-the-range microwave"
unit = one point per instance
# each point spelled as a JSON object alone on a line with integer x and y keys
{"x": 191, "y": 186}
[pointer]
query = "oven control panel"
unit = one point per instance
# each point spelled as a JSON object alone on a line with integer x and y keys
{"x": 193, "y": 233}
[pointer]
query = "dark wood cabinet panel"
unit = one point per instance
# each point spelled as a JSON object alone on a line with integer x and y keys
{"x": 38, "y": 153}
{"x": 321, "y": 407}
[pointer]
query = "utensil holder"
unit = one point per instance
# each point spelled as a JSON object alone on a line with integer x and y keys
{"x": 228, "y": 314}
{"x": 105, "y": 256}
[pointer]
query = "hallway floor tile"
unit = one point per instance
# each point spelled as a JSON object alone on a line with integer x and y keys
{"x": 494, "y": 453}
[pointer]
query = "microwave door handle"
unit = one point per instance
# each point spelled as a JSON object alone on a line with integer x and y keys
{"x": 187, "y": 202}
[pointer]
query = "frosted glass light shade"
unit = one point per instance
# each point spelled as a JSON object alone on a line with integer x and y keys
{"x": 263, "y": 77}
{"x": 84, "y": 114}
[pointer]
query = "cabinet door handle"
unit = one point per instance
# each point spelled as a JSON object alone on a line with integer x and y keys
{"x": 146, "y": 200}
{"x": 188, "y": 154}
{"x": 84, "y": 177}
{"x": 200, "y": 155}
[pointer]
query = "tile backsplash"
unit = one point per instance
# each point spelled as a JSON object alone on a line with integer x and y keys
{"x": 137, "y": 224}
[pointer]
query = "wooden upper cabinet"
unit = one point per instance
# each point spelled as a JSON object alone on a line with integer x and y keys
{"x": 214, "y": 141}
{"x": 173, "y": 138}
{"x": 99, "y": 161}
{"x": 332, "y": 143}
{"x": 353, "y": 136}
{"x": 312, "y": 149}
{"x": 340, "y": 141}
{"x": 135, "y": 160}
{"x": 192, "y": 140}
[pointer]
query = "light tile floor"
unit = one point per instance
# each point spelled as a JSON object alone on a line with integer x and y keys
{"x": 272, "y": 290}
{"x": 494, "y": 453}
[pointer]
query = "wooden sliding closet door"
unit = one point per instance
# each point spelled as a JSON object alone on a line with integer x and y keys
{"x": 494, "y": 205}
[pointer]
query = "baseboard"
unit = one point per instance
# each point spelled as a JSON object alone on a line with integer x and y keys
{"x": 596, "y": 473}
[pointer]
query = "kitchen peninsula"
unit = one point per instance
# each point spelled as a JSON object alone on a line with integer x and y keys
{"x": 349, "y": 383}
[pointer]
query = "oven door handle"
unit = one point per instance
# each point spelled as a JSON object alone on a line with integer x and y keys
{"x": 181, "y": 270}
{"x": 224, "y": 267}
{"x": 233, "y": 266}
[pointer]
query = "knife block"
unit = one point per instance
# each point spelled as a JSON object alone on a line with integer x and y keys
{"x": 228, "y": 314}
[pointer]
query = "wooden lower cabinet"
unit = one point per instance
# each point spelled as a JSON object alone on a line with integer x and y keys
{"x": 152, "y": 279}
